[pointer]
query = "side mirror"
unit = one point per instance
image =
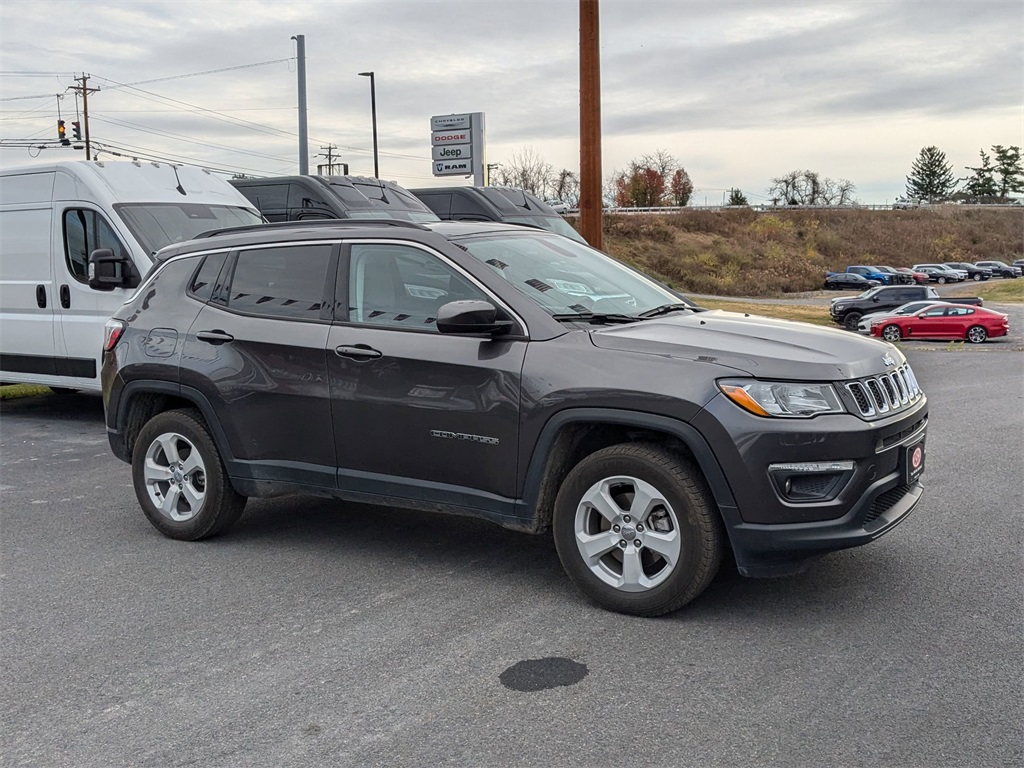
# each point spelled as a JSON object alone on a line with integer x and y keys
{"x": 107, "y": 271}
{"x": 874, "y": 299}
{"x": 471, "y": 317}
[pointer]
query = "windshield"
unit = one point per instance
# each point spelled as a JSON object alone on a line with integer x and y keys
{"x": 550, "y": 223}
{"x": 565, "y": 277}
{"x": 373, "y": 199}
{"x": 156, "y": 225}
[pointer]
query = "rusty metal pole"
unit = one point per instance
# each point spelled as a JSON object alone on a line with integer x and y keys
{"x": 590, "y": 125}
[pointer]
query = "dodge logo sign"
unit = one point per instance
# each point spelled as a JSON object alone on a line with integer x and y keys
{"x": 888, "y": 361}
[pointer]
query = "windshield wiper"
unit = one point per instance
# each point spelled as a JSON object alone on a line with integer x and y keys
{"x": 664, "y": 309}
{"x": 595, "y": 317}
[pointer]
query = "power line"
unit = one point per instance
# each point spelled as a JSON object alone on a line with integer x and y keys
{"x": 199, "y": 74}
{"x": 179, "y": 137}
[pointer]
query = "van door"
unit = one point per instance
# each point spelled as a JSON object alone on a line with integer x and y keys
{"x": 83, "y": 311}
{"x": 27, "y": 296}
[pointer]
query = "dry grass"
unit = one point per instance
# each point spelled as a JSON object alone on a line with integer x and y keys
{"x": 801, "y": 312}
{"x": 745, "y": 253}
{"x": 995, "y": 290}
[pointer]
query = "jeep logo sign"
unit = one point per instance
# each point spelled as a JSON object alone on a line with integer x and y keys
{"x": 457, "y": 145}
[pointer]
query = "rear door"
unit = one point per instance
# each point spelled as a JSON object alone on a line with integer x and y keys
{"x": 257, "y": 353}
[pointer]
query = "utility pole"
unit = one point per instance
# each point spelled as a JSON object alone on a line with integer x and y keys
{"x": 329, "y": 168}
{"x": 300, "y": 55}
{"x": 591, "y": 225}
{"x": 85, "y": 91}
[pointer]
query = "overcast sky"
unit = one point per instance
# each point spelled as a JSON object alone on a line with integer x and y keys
{"x": 738, "y": 92}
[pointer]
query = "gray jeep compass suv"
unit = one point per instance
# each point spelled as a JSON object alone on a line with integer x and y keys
{"x": 510, "y": 374}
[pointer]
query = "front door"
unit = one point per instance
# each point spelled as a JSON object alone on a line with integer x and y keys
{"x": 412, "y": 407}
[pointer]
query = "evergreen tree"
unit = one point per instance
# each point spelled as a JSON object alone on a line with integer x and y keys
{"x": 930, "y": 176}
{"x": 1008, "y": 169}
{"x": 737, "y": 198}
{"x": 983, "y": 182}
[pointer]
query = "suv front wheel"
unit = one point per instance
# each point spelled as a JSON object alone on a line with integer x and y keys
{"x": 180, "y": 480}
{"x": 636, "y": 529}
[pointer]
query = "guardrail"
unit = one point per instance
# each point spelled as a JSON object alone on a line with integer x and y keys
{"x": 665, "y": 209}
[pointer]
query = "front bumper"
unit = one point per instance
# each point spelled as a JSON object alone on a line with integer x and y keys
{"x": 773, "y": 534}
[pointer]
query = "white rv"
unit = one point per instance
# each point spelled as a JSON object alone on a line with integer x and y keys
{"x": 53, "y": 304}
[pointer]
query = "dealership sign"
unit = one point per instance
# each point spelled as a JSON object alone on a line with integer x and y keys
{"x": 457, "y": 145}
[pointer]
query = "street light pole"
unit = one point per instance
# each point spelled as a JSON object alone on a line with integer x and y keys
{"x": 373, "y": 117}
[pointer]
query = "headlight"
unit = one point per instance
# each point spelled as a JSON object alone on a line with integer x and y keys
{"x": 784, "y": 399}
{"x": 840, "y": 307}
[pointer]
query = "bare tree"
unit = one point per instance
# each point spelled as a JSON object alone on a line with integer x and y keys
{"x": 527, "y": 170}
{"x": 810, "y": 188}
{"x": 565, "y": 186}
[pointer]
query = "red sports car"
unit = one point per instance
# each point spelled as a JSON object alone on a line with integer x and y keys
{"x": 944, "y": 322}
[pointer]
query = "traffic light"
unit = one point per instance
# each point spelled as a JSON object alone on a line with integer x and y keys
{"x": 62, "y": 133}
{"x": 76, "y": 130}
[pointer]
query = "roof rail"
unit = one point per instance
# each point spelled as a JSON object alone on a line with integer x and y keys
{"x": 313, "y": 223}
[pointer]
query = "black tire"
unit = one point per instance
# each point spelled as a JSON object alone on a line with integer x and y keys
{"x": 978, "y": 277}
{"x": 976, "y": 334}
{"x": 218, "y": 505}
{"x": 688, "y": 511}
{"x": 851, "y": 320}
{"x": 940, "y": 280}
{"x": 830, "y": 286}
{"x": 892, "y": 333}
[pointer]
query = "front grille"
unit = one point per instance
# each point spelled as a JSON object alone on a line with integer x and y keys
{"x": 886, "y": 392}
{"x": 886, "y": 501}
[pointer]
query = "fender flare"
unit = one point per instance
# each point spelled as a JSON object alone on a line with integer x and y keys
{"x": 686, "y": 433}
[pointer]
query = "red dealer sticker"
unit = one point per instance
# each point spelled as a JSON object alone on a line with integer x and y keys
{"x": 914, "y": 461}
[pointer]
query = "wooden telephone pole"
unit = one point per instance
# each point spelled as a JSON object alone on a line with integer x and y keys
{"x": 85, "y": 91}
{"x": 591, "y": 208}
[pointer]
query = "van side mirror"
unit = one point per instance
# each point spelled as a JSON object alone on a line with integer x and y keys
{"x": 107, "y": 271}
{"x": 471, "y": 317}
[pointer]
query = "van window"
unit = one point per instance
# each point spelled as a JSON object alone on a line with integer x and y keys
{"x": 86, "y": 230}
{"x": 284, "y": 282}
{"x": 156, "y": 225}
{"x": 266, "y": 197}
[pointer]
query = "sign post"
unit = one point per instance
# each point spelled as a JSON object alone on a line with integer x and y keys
{"x": 457, "y": 145}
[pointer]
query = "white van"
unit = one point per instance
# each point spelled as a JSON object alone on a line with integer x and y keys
{"x": 75, "y": 238}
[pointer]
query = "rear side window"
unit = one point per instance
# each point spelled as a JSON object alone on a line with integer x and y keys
{"x": 86, "y": 230}
{"x": 283, "y": 282}
{"x": 202, "y": 282}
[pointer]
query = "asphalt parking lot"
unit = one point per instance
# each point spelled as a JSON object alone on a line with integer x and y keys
{"x": 327, "y": 634}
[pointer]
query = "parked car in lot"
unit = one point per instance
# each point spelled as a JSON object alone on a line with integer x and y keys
{"x": 873, "y": 273}
{"x": 910, "y": 308}
{"x": 844, "y": 281}
{"x": 973, "y": 272}
{"x": 1000, "y": 268}
{"x": 848, "y": 310}
{"x": 973, "y": 324}
{"x": 895, "y": 276}
{"x": 939, "y": 273}
{"x": 916, "y": 277}
{"x": 506, "y": 204}
{"x": 514, "y": 375}
{"x": 558, "y": 206}
{"x": 1019, "y": 264}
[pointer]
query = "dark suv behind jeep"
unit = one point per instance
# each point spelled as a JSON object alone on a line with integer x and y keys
{"x": 510, "y": 374}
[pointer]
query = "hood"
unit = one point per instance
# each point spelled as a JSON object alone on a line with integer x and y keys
{"x": 758, "y": 346}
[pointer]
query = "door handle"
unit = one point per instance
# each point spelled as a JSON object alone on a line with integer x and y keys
{"x": 214, "y": 337}
{"x": 65, "y": 296}
{"x": 41, "y": 296}
{"x": 358, "y": 352}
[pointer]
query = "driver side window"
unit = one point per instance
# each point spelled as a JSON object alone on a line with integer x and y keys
{"x": 397, "y": 286}
{"x": 85, "y": 230}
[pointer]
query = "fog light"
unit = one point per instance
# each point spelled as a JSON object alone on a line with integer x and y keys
{"x": 810, "y": 481}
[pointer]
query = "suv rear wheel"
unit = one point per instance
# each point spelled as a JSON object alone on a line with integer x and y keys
{"x": 180, "y": 480}
{"x": 636, "y": 529}
{"x": 851, "y": 320}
